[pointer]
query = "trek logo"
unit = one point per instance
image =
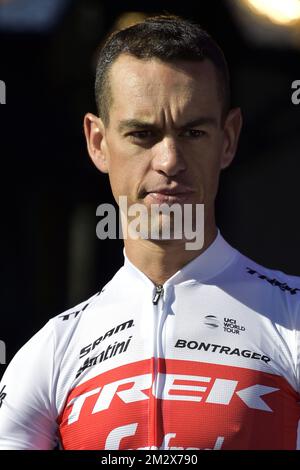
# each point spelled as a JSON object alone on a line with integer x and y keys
{"x": 217, "y": 391}
{"x": 274, "y": 282}
{"x": 73, "y": 314}
{"x": 115, "y": 437}
{"x": 67, "y": 316}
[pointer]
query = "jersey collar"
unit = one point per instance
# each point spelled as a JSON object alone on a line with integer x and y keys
{"x": 204, "y": 267}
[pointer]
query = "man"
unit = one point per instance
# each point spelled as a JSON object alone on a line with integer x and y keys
{"x": 183, "y": 348}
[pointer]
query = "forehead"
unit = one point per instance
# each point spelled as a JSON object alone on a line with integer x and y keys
{"x": 151, "y": 87}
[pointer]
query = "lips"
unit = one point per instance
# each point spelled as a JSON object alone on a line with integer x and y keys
{"x": 169, "y": 195}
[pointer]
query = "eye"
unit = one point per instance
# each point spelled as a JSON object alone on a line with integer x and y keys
{"x": 141, "y": 135}
{"x": 193, "y": 133}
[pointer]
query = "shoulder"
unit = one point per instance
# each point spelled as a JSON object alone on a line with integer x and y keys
{"x": 67, "y": 319}
{"x": 267, "y": 277}
{"x": 55, "y": 332}
{"x": 75, "y": 312}
{"x": 272, "y": 293}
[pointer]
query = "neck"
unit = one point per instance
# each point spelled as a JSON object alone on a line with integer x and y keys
{"x": 159, "y": 260}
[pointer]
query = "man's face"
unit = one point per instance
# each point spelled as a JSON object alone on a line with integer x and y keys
{"x": 165, "y": 141}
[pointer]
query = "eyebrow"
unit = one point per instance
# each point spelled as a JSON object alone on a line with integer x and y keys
{"x": 134, "y": 124}
{"x": 201, "y": 121}
{"x": 127, "y": 124}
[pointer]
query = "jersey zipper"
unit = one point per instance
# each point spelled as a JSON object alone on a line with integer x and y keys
{"x": 158, "y": 292}
{"x": 154, "y": 423}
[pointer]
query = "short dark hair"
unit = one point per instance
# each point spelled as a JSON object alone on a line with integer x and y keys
{"x": 167, "y": 38}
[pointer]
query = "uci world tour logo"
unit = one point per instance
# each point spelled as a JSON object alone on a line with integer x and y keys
{"x": 211, "y": 321}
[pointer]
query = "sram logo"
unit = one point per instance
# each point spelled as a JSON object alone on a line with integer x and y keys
{"x": 166, "y": 387}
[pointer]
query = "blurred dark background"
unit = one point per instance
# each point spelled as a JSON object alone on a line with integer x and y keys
{"x": 51, "y": 258}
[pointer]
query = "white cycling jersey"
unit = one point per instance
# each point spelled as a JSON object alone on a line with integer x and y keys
{"x": 209, "y": 360}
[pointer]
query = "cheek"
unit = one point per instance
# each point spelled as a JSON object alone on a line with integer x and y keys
{"x": 119, "y": 181}
{"x": 206, "y": 170}
{"x": 206, "y": 173}
{"x": 125, "y": 175}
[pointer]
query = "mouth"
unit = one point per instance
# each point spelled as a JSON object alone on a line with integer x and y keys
{"x": 169, "y": 195}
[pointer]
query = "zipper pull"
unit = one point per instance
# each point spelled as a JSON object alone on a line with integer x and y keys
{"x": 158, "y": 292}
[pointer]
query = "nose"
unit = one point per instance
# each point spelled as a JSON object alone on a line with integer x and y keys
{"x": 168, "y": 158}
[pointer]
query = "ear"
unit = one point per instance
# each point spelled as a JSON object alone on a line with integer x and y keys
{"x": 94, "y": 131}
{"x": 232, "y": 129}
